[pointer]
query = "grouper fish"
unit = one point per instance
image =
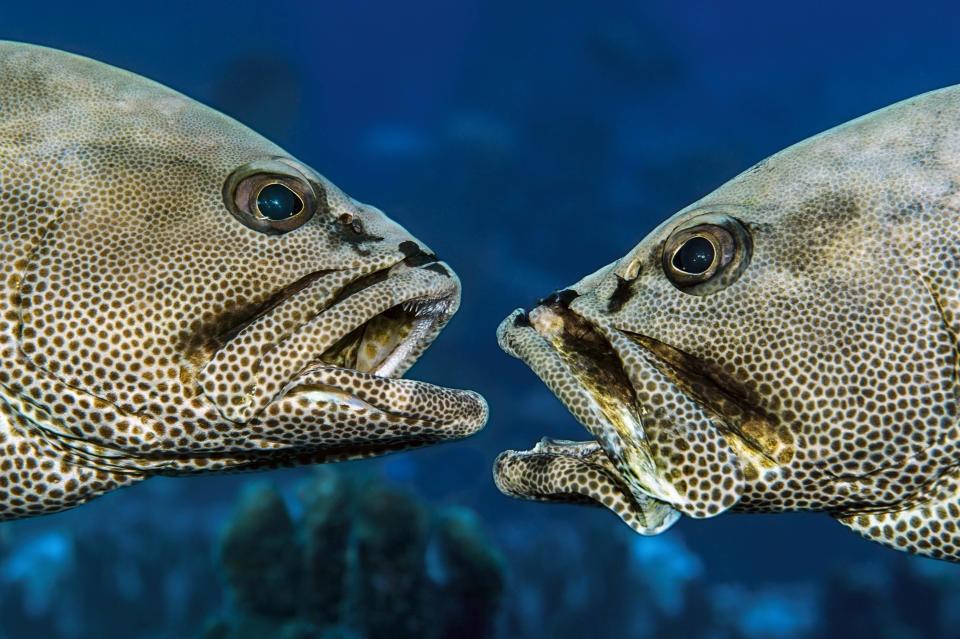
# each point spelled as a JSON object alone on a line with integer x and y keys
{"x": 786, "y": 343}
{"x": 182, "y": 296}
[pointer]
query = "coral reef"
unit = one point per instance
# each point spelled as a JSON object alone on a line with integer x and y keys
{"x": 142, "y": 572}
{"x": 364, "y": 559}
{"x": 347, "y": 555}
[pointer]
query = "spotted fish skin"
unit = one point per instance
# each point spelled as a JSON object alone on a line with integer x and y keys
{"x": 786, "y": 343}
{"x": 156, "y": 320}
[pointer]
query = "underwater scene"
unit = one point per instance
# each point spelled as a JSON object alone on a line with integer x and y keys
{"x": 522, "y": 146}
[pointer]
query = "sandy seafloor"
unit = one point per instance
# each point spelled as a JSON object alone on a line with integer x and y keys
{"x": 527, "y": 143}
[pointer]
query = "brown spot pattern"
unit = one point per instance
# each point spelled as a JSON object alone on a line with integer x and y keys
{"x": 821, "y": 378}
{"x": 146, "y": 330}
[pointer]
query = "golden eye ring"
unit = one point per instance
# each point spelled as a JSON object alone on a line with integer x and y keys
{"x": 707, "y": 255}
{"x": 272, "y": 197}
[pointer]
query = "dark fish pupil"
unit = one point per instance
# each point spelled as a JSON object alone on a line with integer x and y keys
{"x": 277, "y": 202}
{"x": 695, "y": 256}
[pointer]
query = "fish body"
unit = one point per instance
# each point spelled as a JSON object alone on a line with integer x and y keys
{"x": 182, "y": 296}
{"x": 786, "y": 343}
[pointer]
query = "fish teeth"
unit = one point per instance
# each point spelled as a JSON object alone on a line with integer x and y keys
{"x": 424, "y": 308}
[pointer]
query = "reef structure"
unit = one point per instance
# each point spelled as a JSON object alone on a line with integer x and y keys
{"x": 363, "y": 559}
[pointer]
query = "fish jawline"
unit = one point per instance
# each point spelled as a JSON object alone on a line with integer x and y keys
{"x": 561, "y": 471}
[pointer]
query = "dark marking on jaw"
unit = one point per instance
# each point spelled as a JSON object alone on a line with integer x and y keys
{"x": 414, "y": 255}
{"x": 409, "y": 249}
{"x": 592, "y": 360}
{"x": 620, "y": 295}
{"x": 566, "y": 296}
{"x": 438, "y": 268}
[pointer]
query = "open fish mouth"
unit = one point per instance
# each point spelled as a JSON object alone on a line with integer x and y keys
{"x": 670, "y": 430}
{"x": 583, "y": 370}
{"x": 332, "y": 347}
{"x": 579, "y": 472}
{"x": 387, "y": 343}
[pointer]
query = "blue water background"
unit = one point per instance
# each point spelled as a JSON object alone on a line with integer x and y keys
{"x": 527, "y": 144}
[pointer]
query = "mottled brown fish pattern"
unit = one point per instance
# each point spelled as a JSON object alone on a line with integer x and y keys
{"x": 182, "y": 296}
{"x": 786, "y": 343}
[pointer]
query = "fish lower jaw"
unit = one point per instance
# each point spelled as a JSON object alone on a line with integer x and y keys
{"x": 563, "y": 471}
{"x": 582, "y": 369}
{"x": 619, "y": 431}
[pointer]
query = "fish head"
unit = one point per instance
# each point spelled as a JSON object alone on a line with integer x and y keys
{"x": 616, "y": 349}
{"x": 784, "y": 343}
{"x": 215, "y": 300}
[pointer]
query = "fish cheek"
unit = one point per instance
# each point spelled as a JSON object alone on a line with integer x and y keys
{"x": 693, "y": 455}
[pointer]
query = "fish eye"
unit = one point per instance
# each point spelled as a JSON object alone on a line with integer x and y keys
{"x": 271, "y": 196}
{"x": 706, "y": 255}
{"x": 277, "y": 202}
{"x": 694, "y": 256}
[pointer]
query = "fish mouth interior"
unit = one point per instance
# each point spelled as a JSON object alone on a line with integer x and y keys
{"x": 390, "y": 341}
